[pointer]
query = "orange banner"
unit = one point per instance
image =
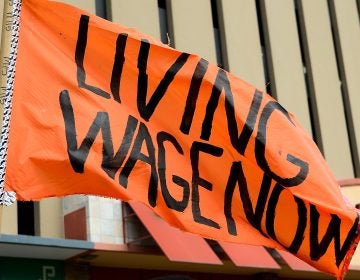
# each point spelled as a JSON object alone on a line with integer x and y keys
{"x": 102, "y": 109}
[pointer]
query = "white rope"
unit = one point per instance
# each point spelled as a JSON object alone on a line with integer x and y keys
{"x": 8, "y": 198}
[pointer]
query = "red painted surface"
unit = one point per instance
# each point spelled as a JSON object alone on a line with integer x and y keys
{"x": 75, "y": 225}
{"x": 249, "y": 256}
{"x": 177, "y": 245}
{"x": 295, "y": 263}
{"x": 349, "y": 182}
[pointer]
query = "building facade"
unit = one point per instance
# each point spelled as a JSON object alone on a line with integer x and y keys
{"x": 304, "y": 53}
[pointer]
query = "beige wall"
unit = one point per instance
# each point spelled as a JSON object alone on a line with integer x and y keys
{"x": 287, "y": 72}
{"x": 8, "y": 219}
{"x": 241, "y": 42}
{"x": 49, "y": 218}
{"x": 326, "y": 86}
{"x": 348, "y": 25}
{"x": 88, "y": 5}
{"x": 192, "y": 28}
{"x": 146, "y": 19}
{"x": 103, "y": 217}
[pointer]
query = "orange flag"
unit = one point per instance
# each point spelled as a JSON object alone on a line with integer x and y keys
{"x": 98, "y": 108}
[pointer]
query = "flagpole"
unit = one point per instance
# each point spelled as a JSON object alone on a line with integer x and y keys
{"x": 4, "y": 54}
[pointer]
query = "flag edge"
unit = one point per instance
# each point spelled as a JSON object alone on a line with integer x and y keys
{"x": 9, "y": 197}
